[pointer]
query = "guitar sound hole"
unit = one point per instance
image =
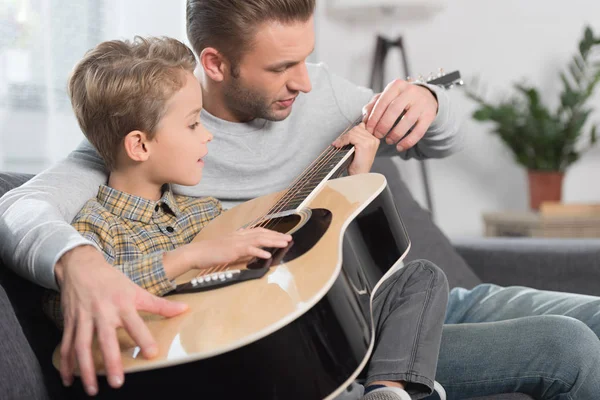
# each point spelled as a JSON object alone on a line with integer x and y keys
{"x": 303, "y": 239}
{"x": 282, "y": 224}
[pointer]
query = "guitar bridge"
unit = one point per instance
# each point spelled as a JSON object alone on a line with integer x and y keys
{"x": 218, "y": 280}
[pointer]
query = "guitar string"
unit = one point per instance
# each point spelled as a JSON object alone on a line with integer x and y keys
{"x": 325, "y": 157}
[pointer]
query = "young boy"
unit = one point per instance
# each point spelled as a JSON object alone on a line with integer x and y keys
{"x": 139, "y": 104}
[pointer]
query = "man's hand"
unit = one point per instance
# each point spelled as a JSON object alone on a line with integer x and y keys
{"x": 96, "y": 298}
{"x": 365, "y": 148}
{"x": 386, "y": 107}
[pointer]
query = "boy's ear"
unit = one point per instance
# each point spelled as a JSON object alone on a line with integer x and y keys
{"x": 136, "y": 146}
{"x": 214, "y": 63}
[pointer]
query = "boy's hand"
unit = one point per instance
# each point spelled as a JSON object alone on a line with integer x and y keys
{"x": 365, "y": 148}
{"x": 240, "y": 244}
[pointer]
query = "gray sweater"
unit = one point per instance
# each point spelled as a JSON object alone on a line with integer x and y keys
{"x": 245, "y": 160}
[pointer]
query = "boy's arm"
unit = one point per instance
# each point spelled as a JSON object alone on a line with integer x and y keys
{"x": 153, "y": 272}
{"x": 34, "y": 218}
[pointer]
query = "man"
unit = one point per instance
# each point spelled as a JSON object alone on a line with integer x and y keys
{"x": 254, "y": 76}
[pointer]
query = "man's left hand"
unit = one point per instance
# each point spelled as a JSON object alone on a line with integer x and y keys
{"x": 384, "y": 109}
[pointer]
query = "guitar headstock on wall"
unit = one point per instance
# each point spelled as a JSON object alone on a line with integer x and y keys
{"x": 445, "y": 80}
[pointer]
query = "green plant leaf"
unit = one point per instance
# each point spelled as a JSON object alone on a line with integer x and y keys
{"x": 543, "y": 138}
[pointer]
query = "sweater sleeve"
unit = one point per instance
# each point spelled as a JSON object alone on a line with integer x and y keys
{"x": 35, "y": 218}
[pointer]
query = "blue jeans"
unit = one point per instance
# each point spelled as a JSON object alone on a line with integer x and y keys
{"x": 516, "y": 339}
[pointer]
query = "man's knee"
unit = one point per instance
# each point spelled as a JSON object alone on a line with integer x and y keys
{"x": 568, "y": 339}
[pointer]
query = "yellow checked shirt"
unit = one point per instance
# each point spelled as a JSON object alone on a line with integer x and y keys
{"x": 133, "y": 234}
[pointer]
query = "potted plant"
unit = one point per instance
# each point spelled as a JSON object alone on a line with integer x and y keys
{"x": 546, "y": 142}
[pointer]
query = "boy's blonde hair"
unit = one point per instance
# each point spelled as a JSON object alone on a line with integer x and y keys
{"x": 123, "y": 86}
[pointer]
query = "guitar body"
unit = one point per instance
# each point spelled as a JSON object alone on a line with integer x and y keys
{"x": 301, "y": 331}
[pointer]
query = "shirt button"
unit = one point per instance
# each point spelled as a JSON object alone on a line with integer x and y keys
{"x": 170, "y": 229}
{"x": 156, "y": 208}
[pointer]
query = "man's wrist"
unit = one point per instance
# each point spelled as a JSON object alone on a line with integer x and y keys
{"x": 71, "y": 257}
{"x": 433, "y": 94}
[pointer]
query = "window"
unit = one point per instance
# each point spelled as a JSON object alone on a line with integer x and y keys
{"x": 40, "y": 42}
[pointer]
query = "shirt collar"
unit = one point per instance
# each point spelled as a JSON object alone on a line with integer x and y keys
{"x": 133, "y": 207}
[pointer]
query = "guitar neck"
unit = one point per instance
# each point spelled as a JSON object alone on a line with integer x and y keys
{"x": 329, "y": 163}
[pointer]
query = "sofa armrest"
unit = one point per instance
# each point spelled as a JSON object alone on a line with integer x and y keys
{"x": 567, "y": 265}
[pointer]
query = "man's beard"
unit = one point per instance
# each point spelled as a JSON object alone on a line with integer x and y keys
{"x": 248, "y": 104}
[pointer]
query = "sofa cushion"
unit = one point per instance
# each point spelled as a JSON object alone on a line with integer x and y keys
{"x": 427, "y": 240}
{"x": 10, "y": 180}
{"x": 511, "y": 396}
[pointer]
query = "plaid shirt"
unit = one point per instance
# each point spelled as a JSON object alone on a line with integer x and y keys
{"x": 133, "y": 234}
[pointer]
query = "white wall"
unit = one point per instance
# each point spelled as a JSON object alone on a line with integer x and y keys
{"x": 501, "y": 42}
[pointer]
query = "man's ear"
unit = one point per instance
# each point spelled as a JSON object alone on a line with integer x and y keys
{"x": 136, "y": 146}
{"x": 214, "y": 63}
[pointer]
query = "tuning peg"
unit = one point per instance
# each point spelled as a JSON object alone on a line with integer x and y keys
{"x": 409, "y": 79}
{"x": 430, "y": 77}
{"x": 440, "y": 72}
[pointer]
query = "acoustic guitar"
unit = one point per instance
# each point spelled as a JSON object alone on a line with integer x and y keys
{"x": 296, "y": 326}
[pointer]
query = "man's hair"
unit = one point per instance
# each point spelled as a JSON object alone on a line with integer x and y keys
{"x": 230, "y": 25}
{"x": 123, "y": 86}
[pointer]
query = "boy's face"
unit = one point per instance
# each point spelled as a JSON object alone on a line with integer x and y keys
{"x": 181, "y": 140}
{"x": 272, "y": 73}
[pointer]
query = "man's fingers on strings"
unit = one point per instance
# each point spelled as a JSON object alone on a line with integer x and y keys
{"x": 396, "y": 110}
{"x": 391, "y": 92}
{"x": 418, "y": 131}
{"x": 368, "y": 108}
{"x": 408, "y": 121}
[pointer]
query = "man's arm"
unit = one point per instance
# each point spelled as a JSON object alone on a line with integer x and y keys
{"x": 34, "y": 218}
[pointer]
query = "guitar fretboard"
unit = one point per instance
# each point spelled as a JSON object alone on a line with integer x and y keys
{"x": 328, "y": 163}
{"x": 317, "y": 173}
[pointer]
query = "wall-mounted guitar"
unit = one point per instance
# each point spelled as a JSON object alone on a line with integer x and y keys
{"x": 298, "y": 327}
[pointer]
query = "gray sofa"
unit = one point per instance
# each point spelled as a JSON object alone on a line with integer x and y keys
{"x": 567, "y": 265}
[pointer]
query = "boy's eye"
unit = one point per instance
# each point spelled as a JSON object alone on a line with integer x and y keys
{"x": 194, "y": 125}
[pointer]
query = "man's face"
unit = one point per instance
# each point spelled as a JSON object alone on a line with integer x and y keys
{"x": 272, "y": 73}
